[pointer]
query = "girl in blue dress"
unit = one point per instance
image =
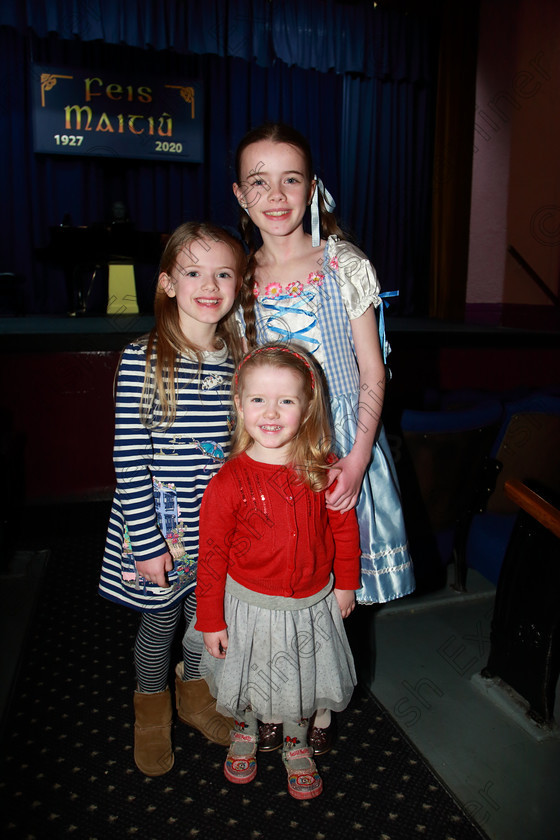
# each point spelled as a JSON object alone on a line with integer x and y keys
{"x": 320, "y": 292}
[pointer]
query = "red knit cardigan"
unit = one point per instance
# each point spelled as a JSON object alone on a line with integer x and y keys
{"x": 273, "y": 535}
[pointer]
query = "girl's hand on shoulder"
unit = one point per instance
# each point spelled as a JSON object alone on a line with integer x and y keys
{"x": 346, "y": 599}
{"x": 216, "y": 643}
{"x": 155, "y": 570}
{"x": 346, "y": 482}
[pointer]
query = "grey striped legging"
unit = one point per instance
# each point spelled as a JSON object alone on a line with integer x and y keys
{"x": 154, "y": 640}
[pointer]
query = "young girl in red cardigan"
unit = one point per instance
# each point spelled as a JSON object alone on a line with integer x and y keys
{"x": 277, "y": 569}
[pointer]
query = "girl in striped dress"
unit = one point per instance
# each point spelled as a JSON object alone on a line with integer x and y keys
{"x": 172, "y": 431}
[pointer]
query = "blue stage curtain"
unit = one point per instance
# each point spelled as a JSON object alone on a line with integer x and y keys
{"x": 41, "y": 189}
{"x": 371, "y": 135}
{"x": 322, "y": 35}
{"x": 386, "y": 170}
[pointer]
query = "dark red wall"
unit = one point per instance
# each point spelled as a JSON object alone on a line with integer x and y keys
{"x": 57, "y": 407}
{"x": 57, "y": 413}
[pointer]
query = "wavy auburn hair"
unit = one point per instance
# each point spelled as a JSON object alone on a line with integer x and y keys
{"x": 311, "y": 450}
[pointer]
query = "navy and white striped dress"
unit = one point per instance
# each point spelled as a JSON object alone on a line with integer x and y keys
{"x": 161, "y": 475}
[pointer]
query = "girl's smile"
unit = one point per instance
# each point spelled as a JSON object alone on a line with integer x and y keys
{"x": 277, "y": 214}
{"x": 275, "y": 186}
{"x": 273, "y": 407}
{"x": 204, "y": 281}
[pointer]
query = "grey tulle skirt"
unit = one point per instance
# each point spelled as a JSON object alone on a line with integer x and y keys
{"x": 284, "y": 664}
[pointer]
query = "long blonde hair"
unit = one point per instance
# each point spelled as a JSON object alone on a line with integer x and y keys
{"x": 166, "y": 342}
{"x": 311, "y": 450}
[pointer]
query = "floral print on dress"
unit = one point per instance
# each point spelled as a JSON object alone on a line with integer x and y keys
{"x": 128, "y": 565}
{"x": 273, "y": 290}
{"x": 293, "y": 289}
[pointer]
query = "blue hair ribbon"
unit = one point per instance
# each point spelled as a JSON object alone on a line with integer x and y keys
{"x": 385, "y": 346}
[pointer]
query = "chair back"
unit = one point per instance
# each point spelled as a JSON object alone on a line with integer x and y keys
{"x": 528, "y": 447}
{"x": 447, "y": 449}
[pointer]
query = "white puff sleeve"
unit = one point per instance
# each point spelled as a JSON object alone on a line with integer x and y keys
{"x": 355, "y": 275}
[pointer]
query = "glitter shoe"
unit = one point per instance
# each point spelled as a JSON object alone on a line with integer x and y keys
{"x": 240, "y": 766}
{"x": 304, "y": 781}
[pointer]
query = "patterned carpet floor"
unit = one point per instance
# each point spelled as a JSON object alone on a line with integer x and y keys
{"x": 66, "y": 765}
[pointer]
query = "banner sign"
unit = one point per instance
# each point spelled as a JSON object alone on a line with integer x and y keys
{"x": 80, "y": 112}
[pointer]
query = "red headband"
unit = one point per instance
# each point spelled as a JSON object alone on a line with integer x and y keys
{"x": 283, "y": 350}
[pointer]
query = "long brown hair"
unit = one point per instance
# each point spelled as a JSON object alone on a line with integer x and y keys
{"x": 167, "y": 341}
{"x": 311, "y": 450}
{"x": 276, "y": 132}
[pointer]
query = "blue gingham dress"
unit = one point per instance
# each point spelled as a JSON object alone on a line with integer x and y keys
{"x": 317, "y": 315}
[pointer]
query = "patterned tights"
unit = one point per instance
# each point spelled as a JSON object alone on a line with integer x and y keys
{"x": 152, "y": 648}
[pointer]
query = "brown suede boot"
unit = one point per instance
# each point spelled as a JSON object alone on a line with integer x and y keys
{"x": 152, "y": 732}
{"x": 197, "y": 708}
